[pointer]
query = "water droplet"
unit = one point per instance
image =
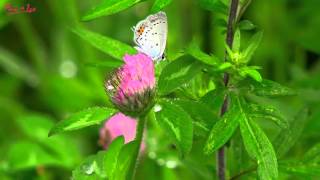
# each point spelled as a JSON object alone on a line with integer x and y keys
{"x": 157, "y": 108}
{"x": 88, "y": 168}
{"x": 171, "y": 164}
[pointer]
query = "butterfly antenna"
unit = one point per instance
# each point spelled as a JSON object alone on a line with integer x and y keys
{"x": 133, "y": 28}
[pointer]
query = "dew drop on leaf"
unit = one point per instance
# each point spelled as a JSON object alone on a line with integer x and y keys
{"x": 88, "y": 168}
{"x": 157, "y": 108}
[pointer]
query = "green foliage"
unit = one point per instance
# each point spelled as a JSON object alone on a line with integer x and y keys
{"x": 246, "y": 25}
{"x": 267, "y": 112}
{"x": 223, "y": 129}
{"x": 177, "y": 73}
{"x": 81, "y": 119}
{"x": 108, "y": 7}
{"x": 159, "y": 4}
{"x": 270, "y": 88}
{"x": 203, "y": 117}
{"x": 288, "y": 137}
{"x": 39, "y": 149}
{"x": 258, "y": 146}
{"x": 253, "y": 45}
{"x": 177, "y": 123}
{"x": 15, "y": 66}
{"x": 214, "y": 5}
{"x": 114, "y": 163}
{"x": 251, "y": 72}
{"x": 194, "y": 50}
{"x": 299, "y": 168}
{"x": 113, "y": 48}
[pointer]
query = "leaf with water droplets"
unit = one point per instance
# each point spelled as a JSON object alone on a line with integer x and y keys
{"x": 258, "y": 145}
{"x": 177, "y": 73}
{"x": 223, "y": 129}
{"x": 267, "y": 112}
{"x": 84, "y": 118}
{"x": 177, "y": 124}
{"x": 270, "y": 88}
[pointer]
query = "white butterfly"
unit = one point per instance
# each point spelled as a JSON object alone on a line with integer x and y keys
{"x": 150, "y": 35}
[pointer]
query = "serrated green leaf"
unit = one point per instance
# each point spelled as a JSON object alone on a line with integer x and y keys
{"x": 270, "y": 88}
{"x": 223, "y": 129}
{"x": 112, "y": 47}
{"x": 268, "y": 112}
{"x": 246, "y": 25}
{"x": 258, "y": 146}
{"x": 87, "y": 117}
{"x": 159, "y": 4}
{"x": 253, "y": 45}
{"x": 288, "y": 137}
{"x": 177, "y": 73}
{"x": 236, "y": 41}
{"x": 177, "y": 124}
{"x": 254, "y": 74}
{"x": 299, "y": 168}
{"x": 203, "y": 117}
{"x": 108, "y": 7}
{"x": 194, "y": 50}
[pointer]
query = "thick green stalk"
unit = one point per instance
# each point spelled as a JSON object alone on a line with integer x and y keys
{"x": 138, "y": 140}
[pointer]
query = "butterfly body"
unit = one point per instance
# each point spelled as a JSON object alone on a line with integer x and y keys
{"x": 150, "y": 35}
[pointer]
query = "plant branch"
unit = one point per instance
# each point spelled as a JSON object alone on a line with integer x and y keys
{"x": 221, "y": 166}
{"x": 139, "y": 136}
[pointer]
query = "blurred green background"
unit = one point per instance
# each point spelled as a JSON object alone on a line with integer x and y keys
{"x": 44, "y": 78}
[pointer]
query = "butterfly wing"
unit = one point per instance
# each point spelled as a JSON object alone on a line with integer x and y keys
{"x": 152, "y": 39}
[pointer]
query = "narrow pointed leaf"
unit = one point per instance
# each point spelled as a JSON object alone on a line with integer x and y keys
{"x": 177, "y": 73}
{"x": 108, "y": 7}
{"x": 112, "y": 47}
{"x": 268, "y": 112}
{"x": 87, "y": 117}
{"x": 270, "y": 88}
{"x": 258, "y": 146}
{"x": 160, "y": 4}
{"x": 253, "y": 45}
{"x": 194, "y": 50}
{"x": 223, "y": 129}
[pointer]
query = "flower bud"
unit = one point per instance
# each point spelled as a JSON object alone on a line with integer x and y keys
{"x": 132, "y": 87}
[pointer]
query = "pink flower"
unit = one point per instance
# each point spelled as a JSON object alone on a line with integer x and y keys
{"x": 118, "y": 125}
{"x": 131, "y": 87}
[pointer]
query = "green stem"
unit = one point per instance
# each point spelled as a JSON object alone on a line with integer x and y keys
{"x": 138, "y": 139}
